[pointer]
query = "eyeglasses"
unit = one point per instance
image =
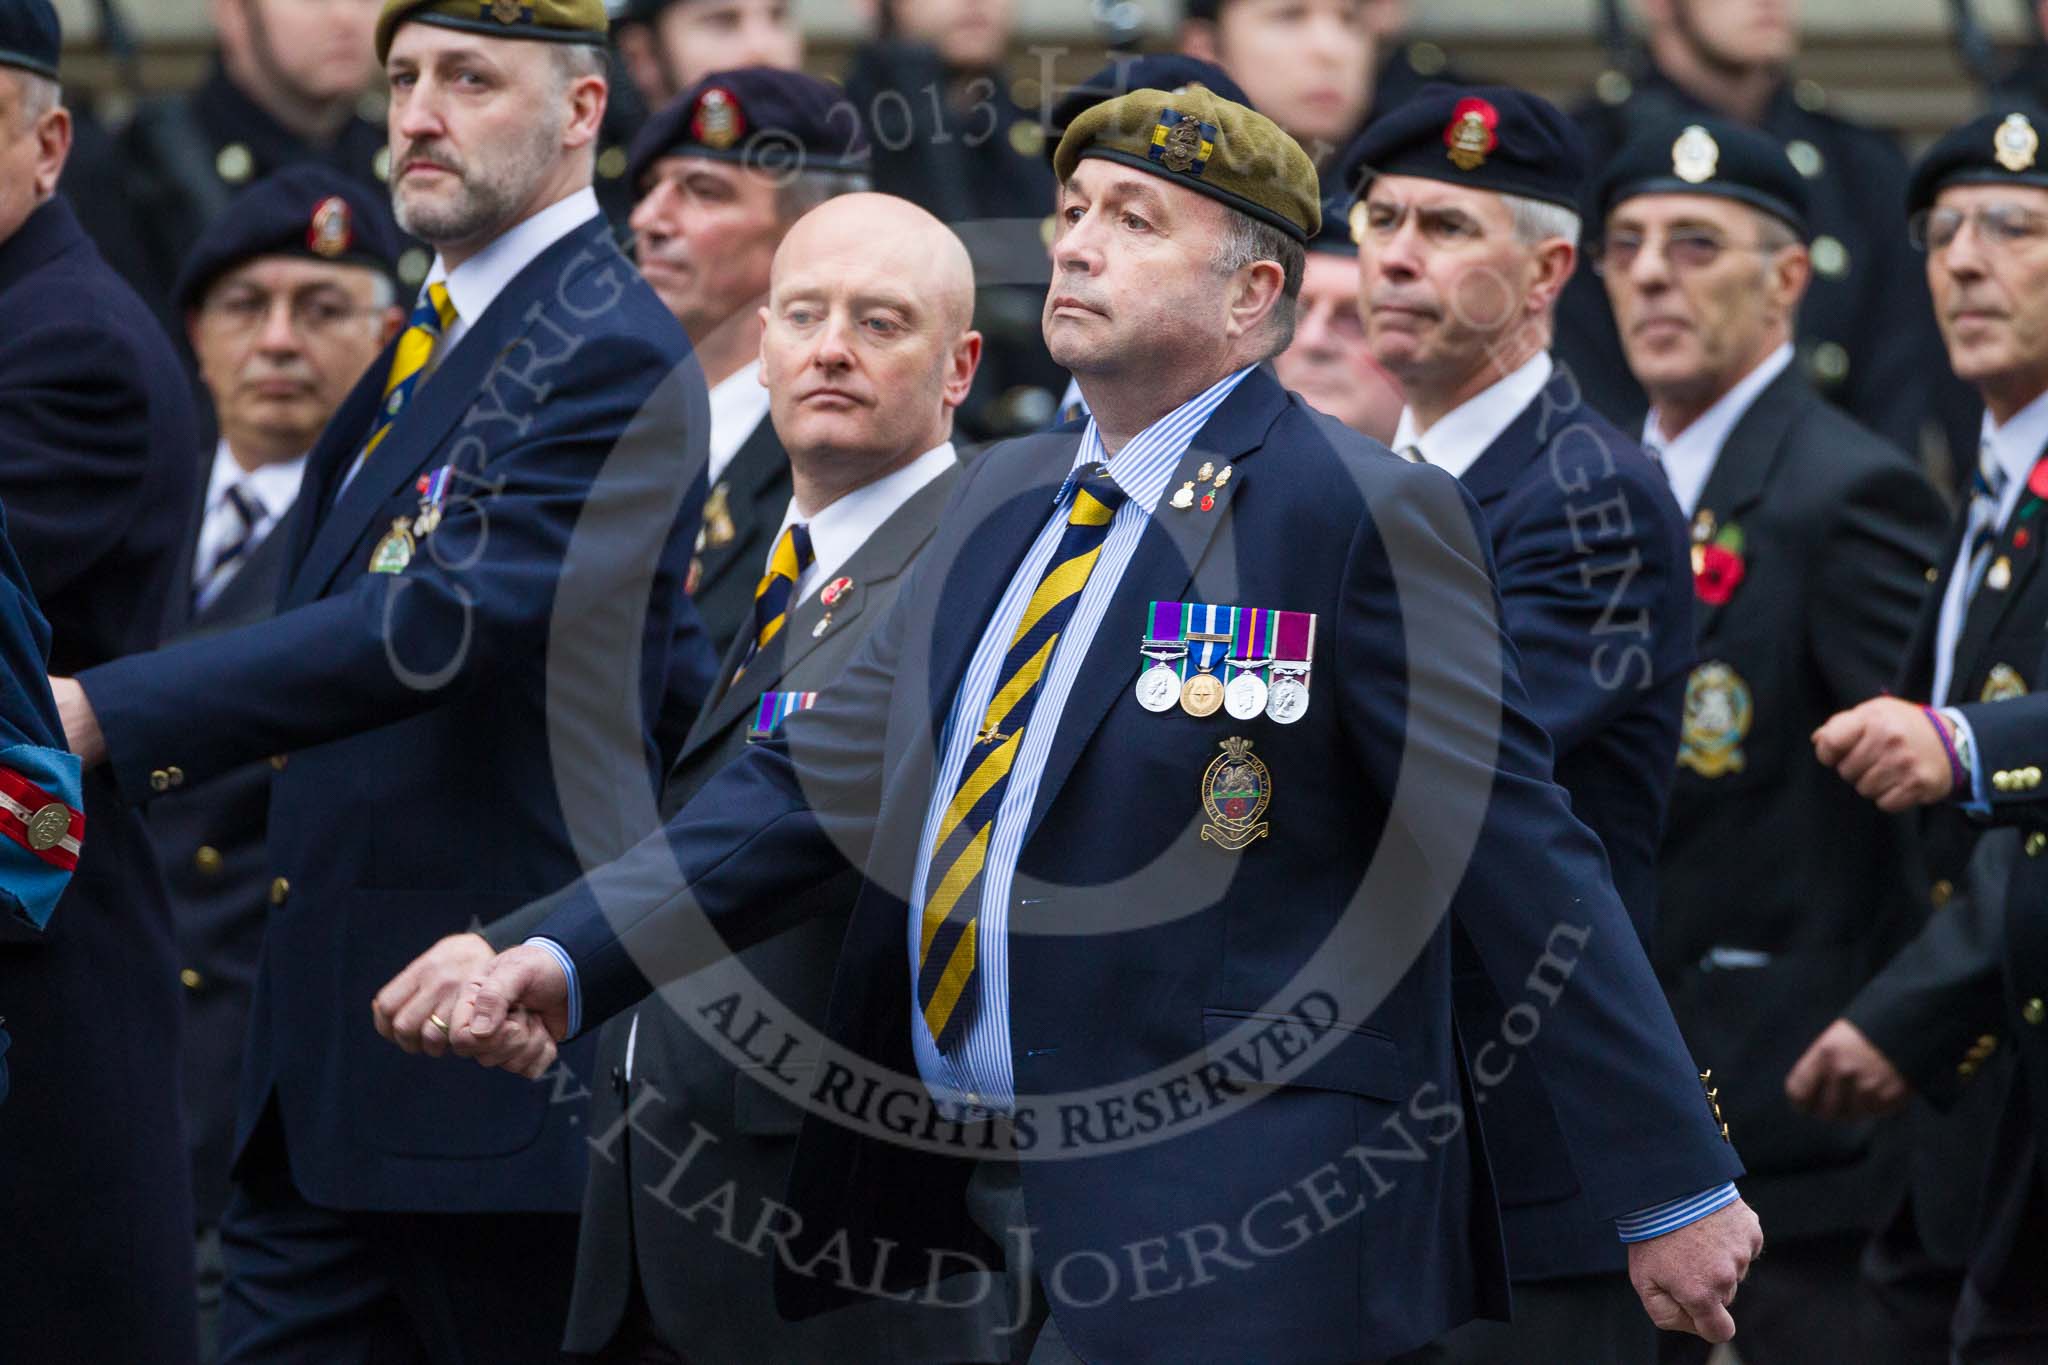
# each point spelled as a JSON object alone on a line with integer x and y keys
{"x": 312, "y": 315}
{"x": 1684, "y": 249}
{"x": 1446, "y": 227}
{"x": 1999, "y": 225}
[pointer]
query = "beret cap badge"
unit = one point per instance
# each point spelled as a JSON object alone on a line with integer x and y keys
{"x": 1182, "y": 144}
{"x": 717, "y": 123}
{"x": 1695, "y": 156}
{"x": 2015, "y": 144}
{"x": 331, "y": 231}
{"x": 508, "y": 11}
{"x": 1470, "y": 135}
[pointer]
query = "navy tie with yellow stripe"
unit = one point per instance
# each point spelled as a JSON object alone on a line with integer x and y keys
{"x": 946, "y": 990}
{"x": 431, "y": 317}
{"x": 777, "y": 587}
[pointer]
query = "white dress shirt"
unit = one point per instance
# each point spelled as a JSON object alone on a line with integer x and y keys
{"x": 274, "y": 486}
{"x": 2015, "y": 446}
{"x": 1689, "y": 457}
{"x": 739, "y": 404}
{"x": 1458, "y": 438}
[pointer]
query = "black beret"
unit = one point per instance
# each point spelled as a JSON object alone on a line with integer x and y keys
{"x": 1485, "y": 137}
{"x": 305, "y": 210}
{"x": 781, "y": 122}
{"x": 1168, "y": 71}
{"x": 30, "y": 36}
{"x": 2002, "y": 147}
{"x": 1706, "y": 155}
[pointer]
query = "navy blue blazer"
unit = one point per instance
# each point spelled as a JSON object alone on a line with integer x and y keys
{"x": 96, "y": 423}
{"x": 459, "y": 737}
{"x": 1595, "y": 578}
{"x": 1348, "y": 1212}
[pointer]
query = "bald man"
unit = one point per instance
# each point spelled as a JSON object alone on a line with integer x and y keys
{"x": 866, "y": 352}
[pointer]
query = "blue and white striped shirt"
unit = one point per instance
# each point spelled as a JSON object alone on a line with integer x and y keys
{"x": 978, "y": 1075}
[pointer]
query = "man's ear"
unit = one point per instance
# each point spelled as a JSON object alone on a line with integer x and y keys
{"x": 53, "y": 149}
{"x": 1556, "y": 259}
{"x": 1254, "y": 294}
{"x": 966, "y": 359}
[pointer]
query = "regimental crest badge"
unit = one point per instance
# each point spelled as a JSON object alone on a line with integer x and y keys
{"x": 509, "y": 11}
{"x": 1470, "y": 134}
{"x": 718, "y": 123}
{"x": 2003, "y": 683}
{"x": 1236, "y": 790}
{"x": 717, "y": 530}
{"x": 1182, "y": 144}
{"x": 331, "y": 231}
{"x": 1717, "y": 716}
{"x": 2016, "y": 144}
{"x": 1695, "y": 156}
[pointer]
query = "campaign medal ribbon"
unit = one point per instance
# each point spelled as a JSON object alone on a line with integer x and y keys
{"x": 774, "y": 708}
{"x": 1159, "y": 685}
{"x": 1244, "y": 680}
{"x": 1294, "y": 643}
{"x": 433, "y": 489}
{"x": 1202, "y": 693}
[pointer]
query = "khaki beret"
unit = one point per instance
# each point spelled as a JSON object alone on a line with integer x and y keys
{"x": 555, "y": 21}
{"x": 1211, "y": 145}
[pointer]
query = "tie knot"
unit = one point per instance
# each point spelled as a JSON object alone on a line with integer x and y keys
{"x": 246, "y": 504}
{"x": 1096, "y": 497}
{"x": 793, "y": 552}
{"x": 436, "y": 311}
{"x": 1991, "y": 476}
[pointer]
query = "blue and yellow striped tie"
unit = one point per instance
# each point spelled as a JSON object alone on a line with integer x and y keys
{"x": 430, "y": 318}
{"x": 772, "y": 597}
{"x": 946, "y": 991}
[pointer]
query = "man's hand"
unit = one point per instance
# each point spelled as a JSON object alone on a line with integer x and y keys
{"x": 1844, "y": 1076}
{"x": 1886, "y": 749}
{"x": 81, "y": 726}
{"x": 1686, "y": 1278}
{"x": 416, "y": 1008}
{"x": 514, "y": 1014}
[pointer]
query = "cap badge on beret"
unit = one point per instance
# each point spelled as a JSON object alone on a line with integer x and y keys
{"x": 331, "y": 231}
{"x": 2015, "y": 143}
{"x": 1470, "y": 135}
{"x": 1695, "y": 156}
{"x": 509, "y": 11}
{"x": 718, "y": 122}
{"x": 1182, "y": 144}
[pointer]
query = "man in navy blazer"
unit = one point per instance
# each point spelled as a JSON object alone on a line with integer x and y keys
{"x": 1460, "y": 267}
{"x": 1180, "y": 953}
{"x": 96, "y": 425}
{"x": 482, "y": 619}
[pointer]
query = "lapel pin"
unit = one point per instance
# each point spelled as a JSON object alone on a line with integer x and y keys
{"x": 1222, "y": 478}
{"x": 835, "y": 590}
{"x": 2000, "y": 577}
{"x": 824, "y": 624}
{"x": 1206, "y": 472}
{"x": 1184, "y": 496}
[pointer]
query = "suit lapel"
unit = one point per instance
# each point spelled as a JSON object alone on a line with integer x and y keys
{"x": 1556, "y": 406}
{"x": 1162, "y": 566}
{"x": 437, "y": 405}
{"x": 2019, "y": 546}
{"x": 1743, "y": 468}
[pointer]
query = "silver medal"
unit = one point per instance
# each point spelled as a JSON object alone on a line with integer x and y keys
{"x": 1288, "y": 701}
{"x": 1159, "y": 688}
{"x": 1246, "y": 696}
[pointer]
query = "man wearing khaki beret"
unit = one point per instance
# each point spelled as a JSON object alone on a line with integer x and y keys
{"x": 1162, "y": 776}
{"x": 491, "y": 539}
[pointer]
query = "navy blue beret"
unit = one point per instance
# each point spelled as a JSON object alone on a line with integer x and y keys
{"x": 1705, "y": 155}
{"x": 1168, "y": 71}
{"x": 2002, "y": 147}
{"x": 30, "y": 36}
{"x": 1485, "y": 137}
{"x": 305, "y": 210}
{"x": 781, "y": 122}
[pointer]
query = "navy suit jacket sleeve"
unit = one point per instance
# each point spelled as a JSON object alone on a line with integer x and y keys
{"x": 1531, "y": 881}
{"x": 479, "y": 596}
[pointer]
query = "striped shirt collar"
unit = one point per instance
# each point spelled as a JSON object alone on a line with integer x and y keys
{"x": 1144, "y": 467}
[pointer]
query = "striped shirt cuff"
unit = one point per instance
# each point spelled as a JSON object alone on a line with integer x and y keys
{"x": 1655, "y": 1222}
{"x": 561, "y": 956}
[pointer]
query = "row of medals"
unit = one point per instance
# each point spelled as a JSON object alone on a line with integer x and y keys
{"x": 1245, "y": 697}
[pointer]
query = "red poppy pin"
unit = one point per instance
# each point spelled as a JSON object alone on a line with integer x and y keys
{"x": 2037, "y": 481}
{"x": 1717, "y": 566}
{"x": 835, "y": 590}
{"x": 1470, "y": 134}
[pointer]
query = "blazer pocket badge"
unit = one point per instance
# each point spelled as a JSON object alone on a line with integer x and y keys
{"x": 1236, "y": 790}
{"x": 1717, "y": 716}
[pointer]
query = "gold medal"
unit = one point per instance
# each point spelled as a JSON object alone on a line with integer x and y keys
{"x": 394, "y": 551}
{"x": 1201, "y": 695}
